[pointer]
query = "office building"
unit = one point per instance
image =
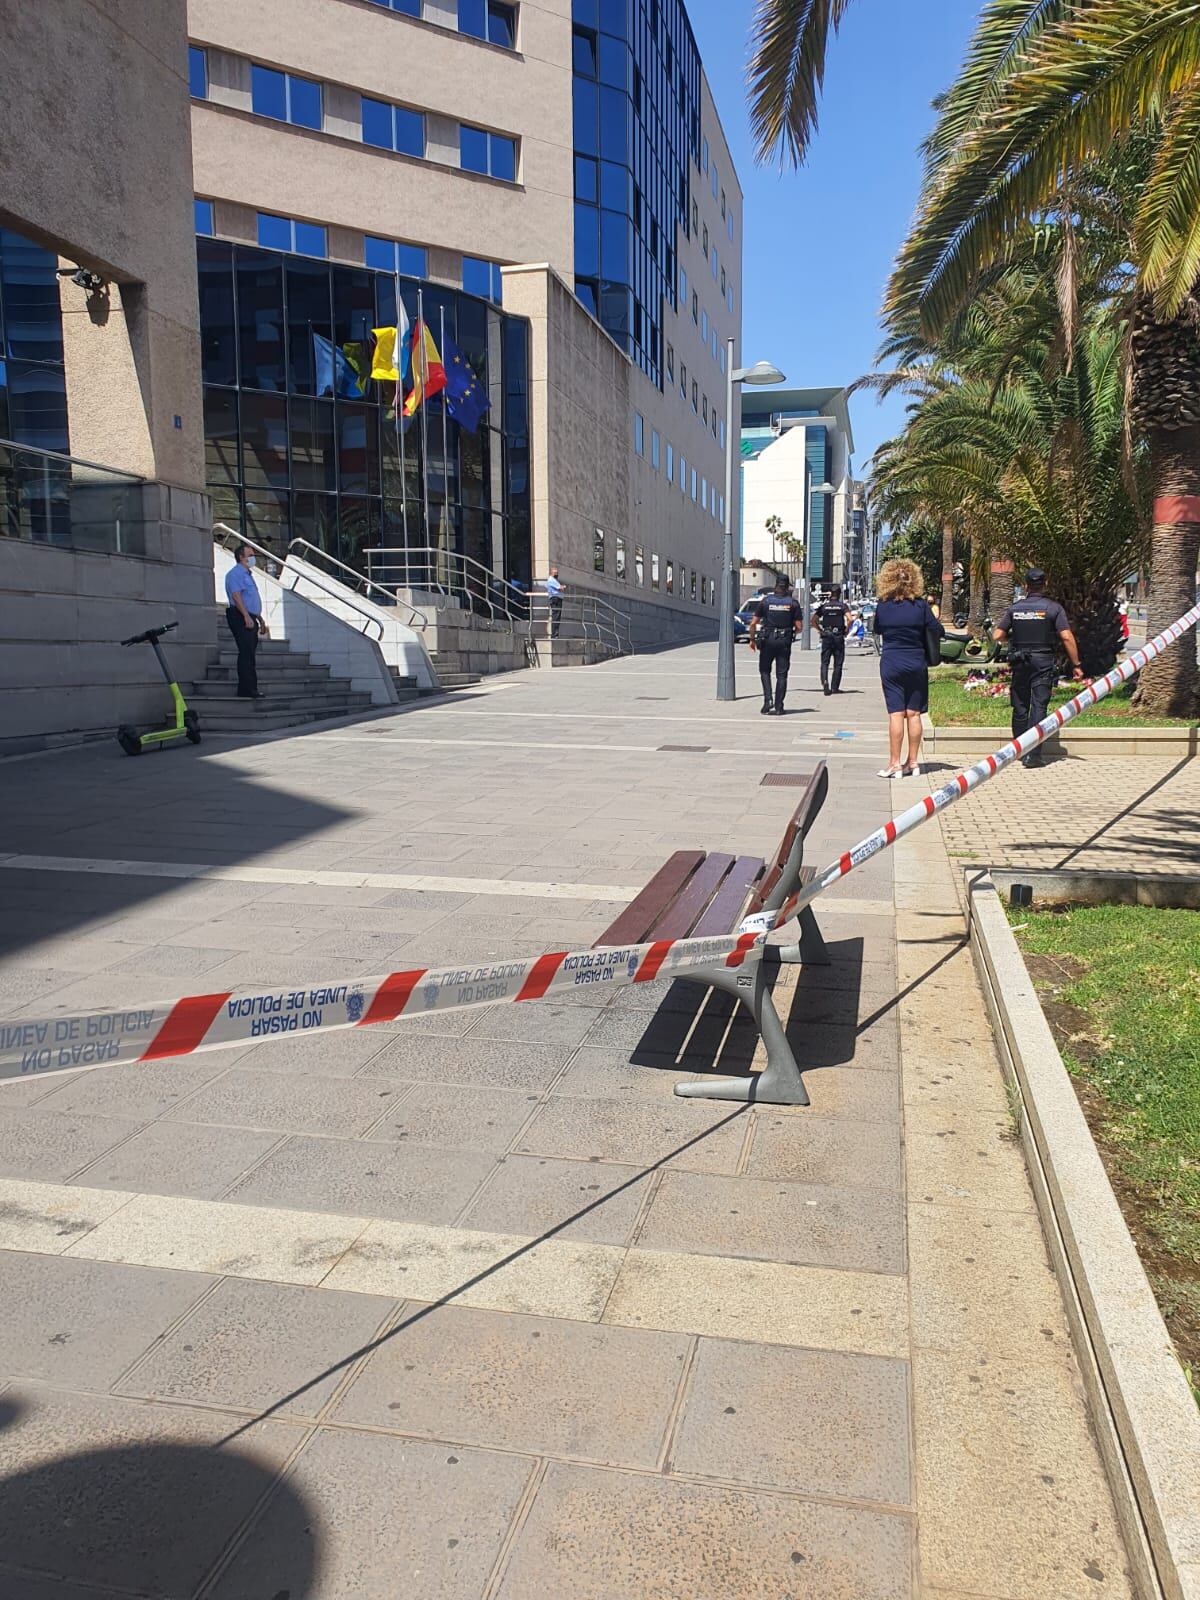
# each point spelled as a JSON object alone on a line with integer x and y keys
{"x": 548, "y": 187}
{"x": 793, "y": 442}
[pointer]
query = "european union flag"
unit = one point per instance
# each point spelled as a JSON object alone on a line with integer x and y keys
{"x": 466, "y": 398}
{"x": 334, "y": 373}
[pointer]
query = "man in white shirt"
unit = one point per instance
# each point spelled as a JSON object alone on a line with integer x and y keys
{"x": 556, "y": 591}
{"x": 245, "y": 618}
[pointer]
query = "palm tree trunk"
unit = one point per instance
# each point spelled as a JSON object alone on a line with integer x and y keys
{"x": 1002, "y": 588}
{"x": 975, "y": 605}
{"x": 1170, "y": 685}
{"x": 947, "y": 574}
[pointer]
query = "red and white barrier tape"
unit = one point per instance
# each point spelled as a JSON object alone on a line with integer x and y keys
{"x": 206, "y": 1022}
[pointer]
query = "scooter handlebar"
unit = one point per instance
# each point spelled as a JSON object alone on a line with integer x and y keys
{"x": 150, "y": 636}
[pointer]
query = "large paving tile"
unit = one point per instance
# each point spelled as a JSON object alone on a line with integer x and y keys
{"x": 544, "y": 1023}
{"x": 492, "y": 1063}
{"x": 171, "y": 961}
{"x": 208, "y": 1236}
{"x": 461, "y": 1116}
{"x": 366, "y": 1178}
{"x": 251, "y": 1346}
{"x": 79, "y": 1324}
{"x": 141, "y": 1090}
{"x": 534, "y": 1384}
{"x": 179, "y": 1158}
{"x": 812, "y": 1224}
{"x": 854, "y": 1091}
{"x": 604, "y": 1074}
{"x": 578, "y": 1199}
{"x": 332, "y": 1054}
{"x": 826, "y": 1150}
{"x": 368, "y": 1516}
{"x": 981, "y": 1283}
{"x": 49, "y": 1145}
{"x": 764, "y": 1301}
{"x": 705, "y": 1138}
{"x": 982, "y": 1167}
{"x": 598, "y": 1535}
{"x": 304, "y": 1103}
{"x": 1011, "y": 1493}
{"x": 557, "y": 1278}
{"x": 806, "y": 1421}
{"x": 107, "y": 1491}
{"x": 50, "y": 1217}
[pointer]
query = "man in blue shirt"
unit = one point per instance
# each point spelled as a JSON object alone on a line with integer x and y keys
{"x": 556, "y": 591}
{"x": 245, "y": 618}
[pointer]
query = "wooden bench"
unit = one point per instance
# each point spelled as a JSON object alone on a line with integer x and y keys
{"x": 701, "y": 894}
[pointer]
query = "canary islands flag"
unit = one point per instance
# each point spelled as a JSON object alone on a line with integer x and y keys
{"x": 466, "y": 399}
{"x": 393, "y": 352}
{"x": 428, "y": 373}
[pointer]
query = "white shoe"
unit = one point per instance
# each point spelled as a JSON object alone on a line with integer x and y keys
{"x": 911, "y": 772}
{"x": 890, "y": 772}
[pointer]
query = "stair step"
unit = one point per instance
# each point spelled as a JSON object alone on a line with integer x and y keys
{"x": 272, "y": 722}
{"x": 331, "y": 705}
{"x": 273, "y": 684}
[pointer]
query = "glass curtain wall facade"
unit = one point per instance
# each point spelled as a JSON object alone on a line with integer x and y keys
{"x": 33, "y": 385}
{"x": 284, "y": 462}
{"x": 637, "y": 129}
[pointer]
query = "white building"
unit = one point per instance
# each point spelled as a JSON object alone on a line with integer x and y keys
{"x": 793, "y": 442}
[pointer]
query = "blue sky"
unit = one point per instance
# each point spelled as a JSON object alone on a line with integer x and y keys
{"x": 819, "y": 242}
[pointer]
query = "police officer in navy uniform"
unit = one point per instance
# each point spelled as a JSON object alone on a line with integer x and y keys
{"x": 1032, "y": 627}
{"x": 777, "y": 620}
{"x": 832, "y": 618}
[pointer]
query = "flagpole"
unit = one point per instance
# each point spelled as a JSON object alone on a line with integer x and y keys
{"x": 424, "y": 418}
{"x": 397, "y": 404}
{"x": 445, "y": 444}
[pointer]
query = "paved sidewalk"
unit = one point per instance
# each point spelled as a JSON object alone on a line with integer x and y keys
{"x": 473, "y": 1307}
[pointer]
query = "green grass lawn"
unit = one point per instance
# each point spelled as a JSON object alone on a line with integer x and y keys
{"x": 951, "y": 706}
{"x": 1121, "y": 989}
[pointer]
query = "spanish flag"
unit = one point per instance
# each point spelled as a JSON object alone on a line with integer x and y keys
{"x": 428, "y": 373}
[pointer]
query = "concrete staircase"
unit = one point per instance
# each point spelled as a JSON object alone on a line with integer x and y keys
{"x": 296, "y": 690}
{"x": 452, "y": 677}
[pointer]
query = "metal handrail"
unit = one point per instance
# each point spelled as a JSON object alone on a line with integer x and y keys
{"x": 417, "y": 619}
{"x": 436, "y": 568}
{"x": 609, "y": 627}
{"x": 300, "y": 577}
{"x": 73, "y": 461}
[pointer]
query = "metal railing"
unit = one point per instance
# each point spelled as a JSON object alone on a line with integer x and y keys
{"x": 460, "y": 580}
{"x": 52, "y": 499}
{"x": 416, "y": 619}
{"x": 280, "y": 571}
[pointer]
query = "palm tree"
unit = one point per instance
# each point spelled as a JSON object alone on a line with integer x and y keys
{"x": 1048, "y": 87}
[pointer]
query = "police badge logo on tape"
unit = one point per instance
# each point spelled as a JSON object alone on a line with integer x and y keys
{"x": 429, "y": 994}
{"x": 355, "y": 1005}
{"x": 631, "y": 966}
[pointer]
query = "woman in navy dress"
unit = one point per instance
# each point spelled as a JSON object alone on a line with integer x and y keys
{"x": 902, "y": 616}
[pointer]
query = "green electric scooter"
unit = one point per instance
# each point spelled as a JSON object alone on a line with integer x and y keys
{"x": 186, "y": 724}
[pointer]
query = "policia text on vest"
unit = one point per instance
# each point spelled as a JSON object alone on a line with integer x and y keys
{"x": 775, "y": 624}
{"x": 832, "y": 618}
{"x": 1033, "y": 627}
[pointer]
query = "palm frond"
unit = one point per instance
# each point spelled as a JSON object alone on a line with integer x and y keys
{"x": 788, "y": 45}
{"x": 1168, "y": 221}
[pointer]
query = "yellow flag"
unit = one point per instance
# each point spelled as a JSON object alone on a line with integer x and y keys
{"x": 383, "y": 365}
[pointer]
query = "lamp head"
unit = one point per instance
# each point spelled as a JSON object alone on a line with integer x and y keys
{"x": 761, "y": 373}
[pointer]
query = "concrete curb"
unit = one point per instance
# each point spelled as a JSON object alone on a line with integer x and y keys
{"x": 1146, "y": 1419}
{"x": 1085, "y": 743}
{"x": 1084, "y": 888}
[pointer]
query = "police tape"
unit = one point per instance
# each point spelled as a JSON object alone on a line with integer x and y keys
{"x": 50, "y": 1045}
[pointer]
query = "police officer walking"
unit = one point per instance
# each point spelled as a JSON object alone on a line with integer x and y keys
{"x": 777, "y": 620}
{"x": 1035, "y": 624}
{"x": 832, "y": 618}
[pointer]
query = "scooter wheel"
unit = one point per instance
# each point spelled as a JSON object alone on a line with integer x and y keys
{"x": 193, "y": 735}
{"x": 129, "y": 741}
{"x": 191, "y": 727}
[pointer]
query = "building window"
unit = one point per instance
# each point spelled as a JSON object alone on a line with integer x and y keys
{"x": 622, "y": 574}
{"x": 729, "y": 226}
{"x": 695, "y": 219}
{"x": 715, "y": 264}
{"x": 197, "y": 73}
{"x": 683, "y": 379}
{"x": 390, "y": 127}
{"x": 704, "y": 493}
{"x": 670, "y": 577}
{"x": 490, "y": 20}
{"x": 409, "y": 8}
{"x": 714, "y": 344}
{"x": 704, "y": 237}
{"x": 722, "y": 434}
{"x": 695, "y": 307}
{"x": 583, "y": 52}
{"x": 639, "y": 433}
{"x": 694, "y": 483}
{"x": 704, "y": 409}
{"x": 693, "y": 587}
{"x": 598, "y": 550}
{"x": 655, "y": 445}
{"x": 722, "y": 202}
{"x": 729, "y": 299}
{"x": 282, "y": 233}
{"x": 721, "y": 358}
{"x": 204, "y": 217}
{"x": 670, "y": 462}
{"x": 285, "y": 97}
{"x": 483, "y": 278}
{"x": 682, "y": 284}
{"x": 715, "y": 180}
{"x": 704, "y": 155}
{"x": 639, "y": 567}
{"x": 714, "y": 422}
{"x": 670, "y": 364}
{"x": 695, "y": 397}
{"x": 704, "y": 326}
{"x": 654, "y": 578}
{"x": 390, "y": 255}
{"x": 492, "y": 154}
{"x": 683, "y": 473}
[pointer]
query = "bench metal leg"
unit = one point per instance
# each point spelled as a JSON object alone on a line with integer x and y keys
{"x": 779, "y": 1083}
{"x": 812, "y": 950}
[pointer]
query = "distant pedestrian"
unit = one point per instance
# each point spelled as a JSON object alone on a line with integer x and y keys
{"x": 1036, "y": 625}
{"x": 1123, "y": 613}
{"x": 778, "y": 618}
{"x": 832, "y": 618}
{"x": 901, "y": 620}
{"x": 246, "y": 621}
{"x": 555, "y": 590}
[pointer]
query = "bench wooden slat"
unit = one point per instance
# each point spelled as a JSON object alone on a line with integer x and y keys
{"x": 802, "y": 819}
{"x": 723, "y": 913}
{"x": 676, "y": 922}
{"x": 640, "y": 915}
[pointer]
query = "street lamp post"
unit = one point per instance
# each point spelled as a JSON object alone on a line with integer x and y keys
{"x": 816, "y": 488}
{"x": 762, "y": 373}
